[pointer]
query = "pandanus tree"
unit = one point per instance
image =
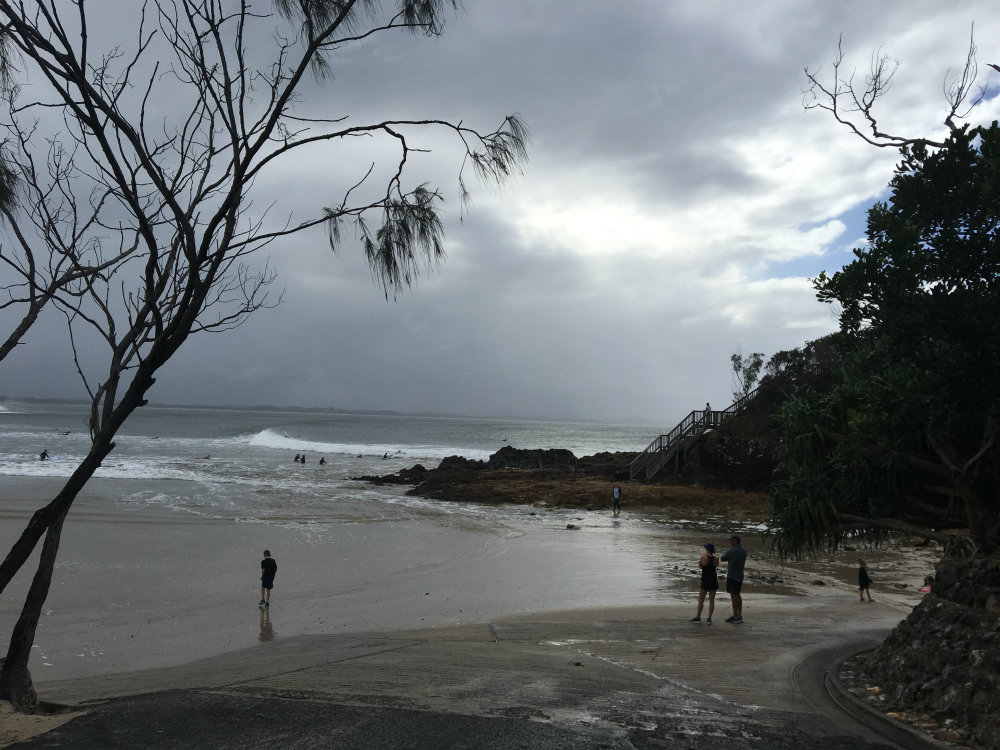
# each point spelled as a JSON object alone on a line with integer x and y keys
{"x": 145, "y": 171}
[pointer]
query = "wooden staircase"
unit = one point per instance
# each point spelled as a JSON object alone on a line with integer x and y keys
{"x": 669, "y": 447}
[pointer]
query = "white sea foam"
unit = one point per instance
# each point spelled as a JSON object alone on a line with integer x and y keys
{"x": 238, "y": 463}
{"x": 280, "y": 441}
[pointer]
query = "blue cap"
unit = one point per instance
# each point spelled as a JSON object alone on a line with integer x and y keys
{"x": 710, "y": 547}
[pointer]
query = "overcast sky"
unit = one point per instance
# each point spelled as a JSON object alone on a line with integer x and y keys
{"x": 677, "y": 199}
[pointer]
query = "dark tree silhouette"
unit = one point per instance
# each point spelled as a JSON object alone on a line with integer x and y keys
{"x": 151, "y": 195}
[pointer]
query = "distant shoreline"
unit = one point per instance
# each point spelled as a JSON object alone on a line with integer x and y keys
{"x": 654, "y": 428}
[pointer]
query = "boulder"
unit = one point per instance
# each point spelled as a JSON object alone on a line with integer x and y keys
{"x": 944, "y": 658}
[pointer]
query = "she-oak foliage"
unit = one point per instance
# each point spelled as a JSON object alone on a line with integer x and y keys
{"x": 905, "y": 440}
{"x": 140, "y": 179}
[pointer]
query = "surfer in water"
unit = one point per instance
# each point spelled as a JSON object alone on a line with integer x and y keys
{"x": 44, "y": 455}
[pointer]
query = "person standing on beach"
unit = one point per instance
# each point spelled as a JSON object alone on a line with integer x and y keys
{"x": 616, "y": 496}
{"x": 708, "y": 563}
{"x": 268, "y": 569}
{"x": 736, "y": 557}
{"x": 864, "y": 581}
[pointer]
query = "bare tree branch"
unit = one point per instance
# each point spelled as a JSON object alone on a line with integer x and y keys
{"x": 853, "y": 103}
{"x": 141, "y": 227}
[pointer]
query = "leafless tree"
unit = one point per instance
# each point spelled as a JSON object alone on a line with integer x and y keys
{"x": 160, "y": 204}
{"x": 852, "y": 103}
{"x": 47, "y": 254}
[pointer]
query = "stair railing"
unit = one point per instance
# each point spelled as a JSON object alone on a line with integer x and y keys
{"x": 666, "y": 446}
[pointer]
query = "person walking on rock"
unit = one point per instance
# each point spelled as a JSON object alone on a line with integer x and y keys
{"x": 736, "y": 557}
{"x": 708, "y": 563}
{"x": 268, "y": 569}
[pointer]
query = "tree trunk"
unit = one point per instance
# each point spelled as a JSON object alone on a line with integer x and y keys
{"x": 18, "y": 333}
{"x": 45, "y": 517}
{"x": 15, "y": 682}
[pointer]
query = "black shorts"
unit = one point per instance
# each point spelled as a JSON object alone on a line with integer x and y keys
{"x": 733, "y": 587}
{"x": 267, "y": 583}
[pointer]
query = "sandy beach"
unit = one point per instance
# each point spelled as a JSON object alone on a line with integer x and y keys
{"x": 153, "y": 592}
{"x": 137, "y": 590}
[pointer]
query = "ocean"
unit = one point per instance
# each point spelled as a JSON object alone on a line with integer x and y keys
{"x": 240, "y": 462}
{"x": 159, "y": 561}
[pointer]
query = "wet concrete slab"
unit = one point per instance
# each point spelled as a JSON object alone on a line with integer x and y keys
{"x": 630, "y": 678}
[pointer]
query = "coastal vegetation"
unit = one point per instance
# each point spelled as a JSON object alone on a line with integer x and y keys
{"x": 144, "y": 180}
{"x": 904, "y": 439}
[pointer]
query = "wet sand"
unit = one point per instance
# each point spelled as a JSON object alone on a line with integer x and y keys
{"x": 613, "y": 678}
{"x": 149, "y": 590}
{"x": 136, "y": 590}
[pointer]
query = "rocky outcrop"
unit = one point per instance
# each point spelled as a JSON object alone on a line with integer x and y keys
{"x": 549, "y": 478}
{"x": 943, "y": 660}
{"x": 544, "y": 462}
{"x": 509, "y": 457}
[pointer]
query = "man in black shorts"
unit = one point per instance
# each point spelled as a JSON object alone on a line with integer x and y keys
{"x": 736, "y": 556}
{"x": 268, "y": 569}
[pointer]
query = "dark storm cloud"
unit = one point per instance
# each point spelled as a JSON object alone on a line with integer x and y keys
{"x": 674, "y": 183}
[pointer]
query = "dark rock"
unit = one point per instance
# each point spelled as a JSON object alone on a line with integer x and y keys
{"x": 457, "y": 463}
{"x": 514, "y": 458}
{"x": 944, "y": 658}
{"x": 463, "y": 479}
{"x": 413, "y": 475}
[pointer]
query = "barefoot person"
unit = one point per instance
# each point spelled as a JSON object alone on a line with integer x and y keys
{"x": 736, "y": 557}
{"x": 709, "y": 582}
{"x": 268, "y": 569}
{"x": 616, "y": 497}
